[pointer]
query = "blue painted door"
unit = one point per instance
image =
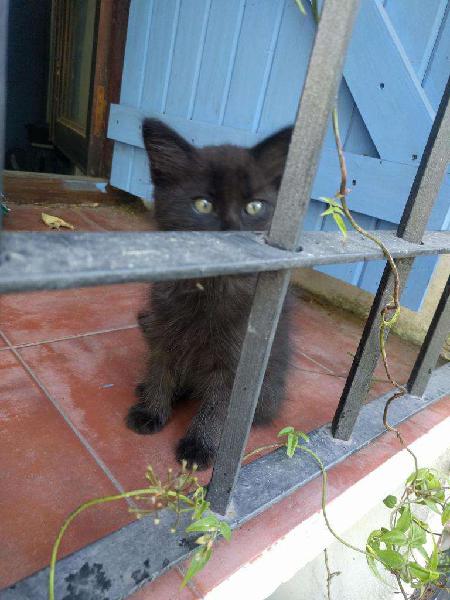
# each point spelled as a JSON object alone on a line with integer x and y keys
{"x": 232, "y": 71}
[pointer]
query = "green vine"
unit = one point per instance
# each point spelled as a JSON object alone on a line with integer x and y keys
{"x": 180, "y": 493}
{"x": 396, "y": 549}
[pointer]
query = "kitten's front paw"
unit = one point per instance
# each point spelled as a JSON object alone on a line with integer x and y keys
{"x": 143, "y": 421}
{"x": 195, "y": 450}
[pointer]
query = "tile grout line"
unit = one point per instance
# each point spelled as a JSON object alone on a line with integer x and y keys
{"x": 330, "y": 372}
{"x": 335, "y": 375}
{"x": 68, "y": 337}
{"x": 315, "y": 362}
{"x": 99, "y": 461}
{"x": 326, "y": 370}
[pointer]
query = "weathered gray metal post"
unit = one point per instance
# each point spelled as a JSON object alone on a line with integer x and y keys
{"x": 432, "y": 345}
{"x": 318, "y": 97}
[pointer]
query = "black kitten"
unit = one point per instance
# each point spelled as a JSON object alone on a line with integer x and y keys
{"x": 195, "y": 328}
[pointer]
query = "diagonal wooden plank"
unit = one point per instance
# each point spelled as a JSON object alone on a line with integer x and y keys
{"x": 388, "y": 94}
{"x": 379, "y": 187}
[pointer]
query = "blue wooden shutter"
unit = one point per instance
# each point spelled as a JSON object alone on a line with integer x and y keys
{"x": 232, "y": 72}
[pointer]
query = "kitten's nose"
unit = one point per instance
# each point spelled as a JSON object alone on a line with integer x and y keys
{"x": 231, "y": 222}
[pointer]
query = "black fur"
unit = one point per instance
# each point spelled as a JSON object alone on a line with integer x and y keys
{"x": 195, "y": 328}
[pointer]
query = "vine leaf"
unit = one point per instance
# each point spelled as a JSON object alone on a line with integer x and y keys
{"x": 335, "y": 210}
{"x": 340, "y": 223}
{"x": 225, "y": 530}
{"x": 199, "y": 560}
{"x": 430, "y": 502}
{"x": 285, "y": 431}
{"x": 395, "y": 536}
{"x": 391, "y": 558}
{"x": 209, "y": 523}
{"x": 292, "y": 439}
{"x": 390, "y": 501}
{"x": 418, "y": 536}
{"x": 434, "y": 558}
{"x": 292, "y": 443}
{"x": 405, "y": 519}
{"x": 301, "y": 7}
{"x": 373, "y": 566}
{"x": 211, "y": 526}
{"x": 423, "y": 574}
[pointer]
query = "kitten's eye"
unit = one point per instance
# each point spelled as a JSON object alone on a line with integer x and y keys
{"x": 254, "y": 208}
{"x": 203, "y": 206}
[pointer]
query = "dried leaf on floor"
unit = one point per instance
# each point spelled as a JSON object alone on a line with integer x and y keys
{"x": 55, "y": 222}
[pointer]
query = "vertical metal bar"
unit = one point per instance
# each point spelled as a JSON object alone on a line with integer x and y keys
{"x": 4, "y": 5}
{"x": 318, "y": 97}
{"x": 432, "y": 345}
{"x": 424, "y": 191}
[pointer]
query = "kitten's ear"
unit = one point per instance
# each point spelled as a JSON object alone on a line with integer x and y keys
{"x": 171, "y": 156}
{"x": 271, "y": 154}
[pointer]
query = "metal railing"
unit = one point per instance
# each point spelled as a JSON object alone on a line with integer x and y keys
{"x": 42, "y": 261}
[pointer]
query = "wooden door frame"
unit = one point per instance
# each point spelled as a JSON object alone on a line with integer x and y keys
{"x": 109, "y": 51}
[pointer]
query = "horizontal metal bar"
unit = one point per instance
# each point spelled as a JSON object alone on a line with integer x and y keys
{"x": 136, "y": 554}
{"x": 432, "y": 345}
{"x": 37, "y": 261}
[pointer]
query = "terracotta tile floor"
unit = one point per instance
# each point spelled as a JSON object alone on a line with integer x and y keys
{"x": 69, "y": 361}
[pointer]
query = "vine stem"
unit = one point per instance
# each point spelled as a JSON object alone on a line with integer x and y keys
{"x": 324, "y": 488}
{"x": 68, "y": 521}
{"x": 394, "y": 305}
{"x": 327, "y": 567}
{"x": 324, "y": 501}
{"x": 330, "y": 574}
{"x": 343, "y": 198}
{"x": 262, "y": 448}
{"x": 400, "y": 585}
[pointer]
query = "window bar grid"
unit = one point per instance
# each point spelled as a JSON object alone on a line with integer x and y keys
{"x": 142, "y": 536}
{"x": 318, "y": 97}
{"x": 424, "y": 191}
{"x": 432, "y": 345}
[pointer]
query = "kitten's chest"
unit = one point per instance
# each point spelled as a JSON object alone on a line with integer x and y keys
{"x": 205, "y": 311}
